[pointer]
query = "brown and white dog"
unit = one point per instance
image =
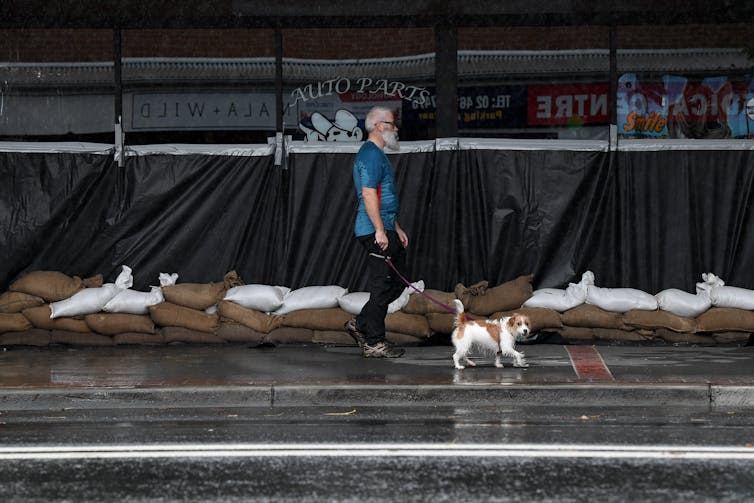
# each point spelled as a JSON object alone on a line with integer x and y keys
{"x": 493, "y": 336}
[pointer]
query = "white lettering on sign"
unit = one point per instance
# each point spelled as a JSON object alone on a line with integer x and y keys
{"x": 569, "y": 105}
{"x": 362, "y": 85}
{"x": 212, "y": 110}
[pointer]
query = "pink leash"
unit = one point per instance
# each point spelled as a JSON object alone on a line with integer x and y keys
{"x": 426, "y": 296}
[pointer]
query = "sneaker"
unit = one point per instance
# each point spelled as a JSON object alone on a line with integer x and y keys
{"x": 382, "y": 349}
{"x": 355, "y": 333}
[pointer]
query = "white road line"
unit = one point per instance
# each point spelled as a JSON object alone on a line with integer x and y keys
{"x": 136, "y": 451}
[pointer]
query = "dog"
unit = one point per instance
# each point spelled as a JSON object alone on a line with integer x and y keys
{"x": 498, "y": 336}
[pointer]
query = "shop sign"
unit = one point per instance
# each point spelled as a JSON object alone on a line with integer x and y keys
{"x": 201, "y": 110}
{"x": 479, "y": 107}
{"x": 367, "y": 87}
{"x": 568, "y": 104}
{"x": 340, "y": 117}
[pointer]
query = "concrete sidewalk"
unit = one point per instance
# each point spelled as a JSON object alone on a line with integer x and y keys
{"x": 237, "y": 375}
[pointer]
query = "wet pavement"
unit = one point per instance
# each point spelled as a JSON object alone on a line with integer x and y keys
{"x": 609, "y": 375}
{"x": 316, "y": 423}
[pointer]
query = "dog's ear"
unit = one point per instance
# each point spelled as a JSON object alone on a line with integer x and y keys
{"x": 516, "y": 320}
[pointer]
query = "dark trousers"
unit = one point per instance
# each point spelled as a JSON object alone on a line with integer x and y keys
{"x": 384, "y": 285}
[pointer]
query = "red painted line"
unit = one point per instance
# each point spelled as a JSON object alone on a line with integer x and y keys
{"x": 588, "y": 363}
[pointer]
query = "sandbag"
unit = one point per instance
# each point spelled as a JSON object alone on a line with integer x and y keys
{"x": 86, "y": 301}
{"x": 476, "y": 289}
{"x": 166, "y": 279}
{"x": 609, "y": 334}
{"x": 256, "y": 320}
{"x": 441, "y": 323}
{"x": 411, "y": 324}
{"x": 725, "y": 319}
{"x": 551, "y": 298}
{"x": 590, "y": 316}
{"x": 79, "y": 338}
{"x": 168, "y": 314}
{"x": 264, "y": 298}
{"x": 343, "y": 339}
{"x": 116, "y": 323}
{"x": 405, "y": 340}
{"x": 134, "y": 302}
{"x": 731, "y": 337}
{"x": 290, "y": 335}
{"x": 683, "y": 303}
{"x": 311, "y": 297}
{"x": 733, "y": 297}
{"x": 198, "y": 296}
{"x": 232, "y": 279}
{"x": 332, "y": 337}
{"x": 620, "y": 300}
{"x": 95, "y": 281}
{"x": 659, "y": 319}
{"x": 725, "y": 296}
{"x": 504, "y": 297}
{"x": 31, "y": 337}
{"x": 92, "y": 300}
{"x": 52, "y": 286}
{"x": 236, "y": 332}
{"x": 14, "y": 322}
{"x": 418, "y": 304}
{"x": 399, "y": 303}
{"x": 576, "y": 333}
{"x": 562, "y": 300}
{"x": 674, "y": 337}
{"x": 15, "y": 302}
{"x": 139, "y": 338}
{"x": 176, "y": 334}
{"x": 40, "y": 317}
{"x": 354, "y": 302}
{"x": 317, "y": 319}
{"x": 604, "y": 334}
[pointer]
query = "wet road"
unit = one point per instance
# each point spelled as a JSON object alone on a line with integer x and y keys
{"x": 398, "y": 453}
{"x": 323, "y": 424}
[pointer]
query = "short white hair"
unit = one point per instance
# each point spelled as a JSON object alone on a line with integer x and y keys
{"x": 375, "y": 115}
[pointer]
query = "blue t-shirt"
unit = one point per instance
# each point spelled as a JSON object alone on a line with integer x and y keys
{"x": 372, "y": 169}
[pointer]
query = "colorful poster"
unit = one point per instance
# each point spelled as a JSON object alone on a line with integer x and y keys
{"x": 679, "y": 107}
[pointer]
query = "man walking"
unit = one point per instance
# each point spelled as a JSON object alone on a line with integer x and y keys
{"x": 379, "y": 233}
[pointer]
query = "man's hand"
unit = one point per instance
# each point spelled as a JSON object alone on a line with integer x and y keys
{"x": 380, "y": 238}
{"x": 401, "y": 235}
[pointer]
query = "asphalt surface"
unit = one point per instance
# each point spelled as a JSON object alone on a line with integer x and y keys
{"x": 315, "y": 423}
{"x": 239, "y": 375}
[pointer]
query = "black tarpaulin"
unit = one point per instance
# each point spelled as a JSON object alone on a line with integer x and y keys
{"x": 685, "y": 213}
{"x": 199, "y": 216}
{"x": 647, "y": 219}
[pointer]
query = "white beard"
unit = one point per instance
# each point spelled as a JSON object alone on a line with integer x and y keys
{"x": 391, "y": 140}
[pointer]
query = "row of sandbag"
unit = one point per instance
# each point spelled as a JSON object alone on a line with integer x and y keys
{"x": 711, "y": 292}
{"x": 238, "y": 324}
{"x": 168, "y": 322}
{"x": 193, "y": 312}
{"x": 71, "y": 296}
{"x": 189, "y": 312}
{"x": 588, "y": 322}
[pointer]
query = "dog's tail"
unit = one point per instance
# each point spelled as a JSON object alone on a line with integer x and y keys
{"x": 460, "y": 315}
